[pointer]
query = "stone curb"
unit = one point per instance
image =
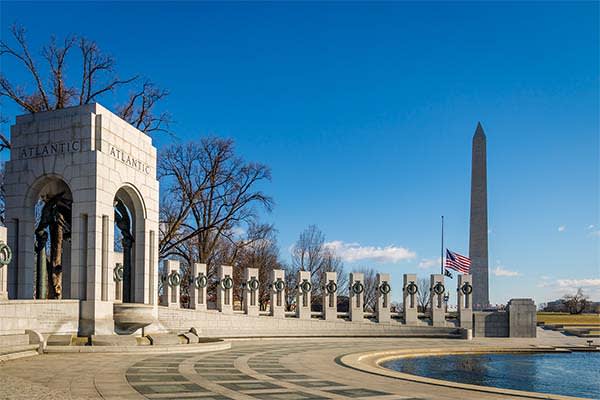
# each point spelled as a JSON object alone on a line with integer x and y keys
{"x": 183, "y": 348}
{"x": 371, "y": 362}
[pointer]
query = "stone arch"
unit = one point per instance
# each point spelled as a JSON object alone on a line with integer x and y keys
{"x": 134, "y": 258}
{"x": 51, "y": 265}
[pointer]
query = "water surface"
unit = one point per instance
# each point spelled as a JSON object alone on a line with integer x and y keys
{"x": 572, "y": 374}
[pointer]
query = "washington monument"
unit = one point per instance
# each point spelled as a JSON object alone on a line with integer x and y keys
{"x": 478, "y": 238}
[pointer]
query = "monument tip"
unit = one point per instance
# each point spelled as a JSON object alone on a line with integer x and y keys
{"x": 479, "y": 130}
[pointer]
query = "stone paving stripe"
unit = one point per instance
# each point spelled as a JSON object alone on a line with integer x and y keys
{"x": 229, "y": 378}
{"x": 353, "y": 393}
{"x": 274, "y": 370}
{"x": 238, "y": 387}
{"x": 288, "y": 396}
{"x": 156, "y": 378}
{"x": 289, "y": 377}
{"x": 170, "y": 388}
{"x": 318, "y": 384}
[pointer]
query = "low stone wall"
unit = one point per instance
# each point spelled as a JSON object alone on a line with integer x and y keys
{"x": 518, "y": 321}
{"x": 43, "y": 316}
{"x": 490, "y": 324}
{"x": 215, "y": 324}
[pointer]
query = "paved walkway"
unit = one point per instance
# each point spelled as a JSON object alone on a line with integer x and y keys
{"x": 268, "y": 369}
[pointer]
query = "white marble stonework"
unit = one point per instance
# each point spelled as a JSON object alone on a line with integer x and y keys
{"x": 89, "y": 154}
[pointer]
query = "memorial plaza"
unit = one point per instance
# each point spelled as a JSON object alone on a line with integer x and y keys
{"x": 142, "y": 259}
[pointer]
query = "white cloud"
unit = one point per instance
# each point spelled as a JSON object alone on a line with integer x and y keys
{"x": 562, "y": 228}
{"x": 559, "y": 287}
{"x": 427, "y": 263}
{"x": 591, "y": 226}
{"x": 351, "y": 252}
{"x": 577, "y": 283}
{"x": 501, "y": 271}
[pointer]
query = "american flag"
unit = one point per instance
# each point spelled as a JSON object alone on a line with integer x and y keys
{"x": 457, "y": 262}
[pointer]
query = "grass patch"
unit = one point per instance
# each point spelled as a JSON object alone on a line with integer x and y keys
{"x": 568, "y": 319}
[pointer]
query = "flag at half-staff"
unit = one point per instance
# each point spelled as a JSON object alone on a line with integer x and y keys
{"x": 457, "y": 262}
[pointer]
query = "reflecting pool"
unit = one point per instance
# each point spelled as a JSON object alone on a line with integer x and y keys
{"x": 572, "y": 374}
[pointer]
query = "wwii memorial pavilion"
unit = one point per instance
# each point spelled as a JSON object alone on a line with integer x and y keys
{"x": 82, "y": 204}
{"x": 92, "y": 172}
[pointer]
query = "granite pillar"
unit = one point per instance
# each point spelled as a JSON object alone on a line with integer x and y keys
{"x": 329, "y": 293}
{"x": 225, "y": 289}
{"x": 198, "y": 287}
{"x": 356, "y": 296}
{"x": 303, "y": 295}
{"x": 465, "y": 301}
{"x": 251, "y": 285}
{"x": 278, "y": 293}
{"x": 384, "y": 294}
{"x": 410, "y": 299}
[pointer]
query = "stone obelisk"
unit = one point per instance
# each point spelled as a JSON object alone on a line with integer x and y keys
{"x": 478, "y": 238}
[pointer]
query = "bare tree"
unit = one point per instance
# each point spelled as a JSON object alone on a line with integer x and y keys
{"x": 576, "y": 303}
{"x": 308, "y": 252}
{"x": 423, "y": 294}
{"x": 263, "y": 255}
{"x": 209, "y": 194}
{"x": 370, "y": 293}
{"x": 49, "y": 89}
{"x": 291, "y": 283}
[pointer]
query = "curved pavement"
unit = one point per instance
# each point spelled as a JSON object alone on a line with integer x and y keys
{"x": 254, "y": 369}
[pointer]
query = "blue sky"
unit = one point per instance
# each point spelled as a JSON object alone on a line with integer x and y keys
{"x": 365, "y": 114}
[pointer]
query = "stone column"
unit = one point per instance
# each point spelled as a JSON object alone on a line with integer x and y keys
{"x": 465, "y": 301}
{"x": 410, "y": 300}
{"x": 170, "y": 296}
{"x": 198, "y": 287}
{"x": 278, "y": 293}
{"x": 251, "y": 285}
{"x": 384, "y": 294}
{"x": 329, "y": 301}
{"x": 303, "y": 307}
{"x": 5, "y": 255}
{"x": 356, "y": 298}
{"x": 437, "y": 309}
{"x": 225, "y": 289}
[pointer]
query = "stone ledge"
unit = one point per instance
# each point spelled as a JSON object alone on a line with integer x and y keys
{"x": 180, "y": 348}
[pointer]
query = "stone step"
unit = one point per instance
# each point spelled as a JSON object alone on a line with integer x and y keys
{"x": 164, "y": 339}
{"x": 18, "y": 351}
{"x": 59, "y": 340}
{"x": 14, "y": 340}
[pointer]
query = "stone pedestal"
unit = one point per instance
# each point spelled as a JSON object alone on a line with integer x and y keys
{"x": 251, "y": 286}
{"x": 4, "y": 254}
{"x": 278, "y": 293}
{"x": 303, "y": 295}
{"x": 410, "y": 300}
{"x": 198, "y": 287}
{"x": 170, "y": 296}
{"x": 437, "y": 308}
{"x": 522, "y": 318}
{"x": 329, "y": 296}
{"x": 465, "y": 301}
{"x": 356, "y": 296}
{"x": 225, "y": 289}
{"x": 384, "y": 294}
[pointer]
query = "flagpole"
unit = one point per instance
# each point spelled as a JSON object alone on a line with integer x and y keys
{"x": 442, "y": 250}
